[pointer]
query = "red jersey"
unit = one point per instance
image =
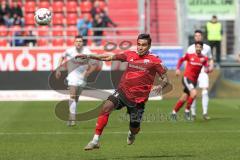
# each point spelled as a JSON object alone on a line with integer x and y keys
{"x": 194, "y": 65}
{"x": 137, "y": 80}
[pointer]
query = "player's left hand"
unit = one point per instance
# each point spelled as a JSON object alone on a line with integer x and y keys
{"x": 178, "y": 72}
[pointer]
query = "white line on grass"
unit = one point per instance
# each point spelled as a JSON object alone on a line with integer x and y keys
{"x": 88, "y": 133}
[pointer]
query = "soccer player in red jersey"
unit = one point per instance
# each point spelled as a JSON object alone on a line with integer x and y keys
{"x": 195, "y": 62}
{"x": 133, "y": 91}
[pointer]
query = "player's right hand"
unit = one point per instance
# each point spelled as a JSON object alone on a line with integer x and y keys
{"x": 58, "y": 74}
{"x": 178, "y": 72}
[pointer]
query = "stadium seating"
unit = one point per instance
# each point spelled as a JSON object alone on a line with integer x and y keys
{"x": 70, "y": 42}
{"x": 66, "y": 13}
{"x": 72, "y": 18}
{"x": 14, "y": 29}
{"x": 42, "y": 42}
{"x": 58, "y": 19}
{"x": 43, "y": 31}
{"x": 58, "y": 6}
{"x": 72, "y": 31}
{"x": 29, "y": 19}
{"x": 71, "y": 6}
{"x": 58, "y": 31}
{"x": 3, "y": 42}
{"x": 30, "y": 6}
{"x": 85, "y": 6}
{"x": 3, "y": 30}
{"x": 44, "y": 4}
{"x": 57, "y": 42}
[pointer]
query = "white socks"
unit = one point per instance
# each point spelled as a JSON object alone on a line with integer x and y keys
{"x": 205, "y": 100}
{"x": 95, "y": 138}
{"x": 72, "y": 108}
{"x": 193, "y": 108}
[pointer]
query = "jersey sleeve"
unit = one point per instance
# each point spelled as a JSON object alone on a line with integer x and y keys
{"x": 181, "y": 60}
{"x": 64, "y": 54}
{"x": 206, "y": 64}
{"x": 209, "y": 53}
{"x": 161, "y": 68}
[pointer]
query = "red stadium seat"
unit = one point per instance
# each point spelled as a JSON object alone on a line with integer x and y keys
{"x": 3, "y": 31}
{"x": 30, "y": 27}
{"x": 70, "y": 42}
{"x": 72, "y": 31}
{"x": 42, "y": 42}
{"x": 29, "y": 19}
{"x": 30, "y": 6}
{"x": 43, "y": 31}
{"x": 58, "y": 42}
{"x": 58, "y": 19}
{"x": 57, "y": 31}
{"x": 72, "y": 19}
{"x": 43, "y": 4}
{"x": 58, "y": 6}
{"x": 71, "y": 6}
{"x": 3, "y": 42}
{"x": 85, "y": 6}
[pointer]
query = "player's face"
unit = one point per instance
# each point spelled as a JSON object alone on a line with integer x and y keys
{"x": 198, "y": 48}
{"x": 142, "y": 46}
{"x": 79, "y": 43}
{"x": 198, "y": 37}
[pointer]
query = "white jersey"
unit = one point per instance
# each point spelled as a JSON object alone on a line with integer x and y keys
{"x": 206, "y": 51}
{"x": 77, "y": 68}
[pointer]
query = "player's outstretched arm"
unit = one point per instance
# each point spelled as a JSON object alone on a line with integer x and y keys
{"x": 180, "y": 61}
{"x": 101, "y": 57}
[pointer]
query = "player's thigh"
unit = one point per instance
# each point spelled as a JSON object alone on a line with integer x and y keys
{"x": 203, "y": 80}
{"x": 193, "y": 92}
{"x": 107, "y": 107}
{"x": 116, "y": 100}
{"x": 135, "y": 115}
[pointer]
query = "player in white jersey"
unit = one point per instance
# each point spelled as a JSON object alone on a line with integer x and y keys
{"x": 78, "y": 71}
{"x": 203, "y": 79}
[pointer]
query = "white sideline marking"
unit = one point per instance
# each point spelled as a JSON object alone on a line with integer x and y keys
{"x": 50, "y": 95}
{"x": 125, "y": 132}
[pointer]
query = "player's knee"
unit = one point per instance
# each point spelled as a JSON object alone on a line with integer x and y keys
{"x": 204, "y": 92}
{"x": 107, "y": 107}
{"x": 135, "y": 128}
{"x": 193, "y": 93}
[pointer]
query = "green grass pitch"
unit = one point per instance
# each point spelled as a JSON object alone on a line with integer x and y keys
{"x": 31, "y": 131}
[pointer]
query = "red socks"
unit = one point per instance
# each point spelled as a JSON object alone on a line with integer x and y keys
{"x": 101, "y": 123}
{"x": 178, "y": 105}
{"x": 189, "y": 103}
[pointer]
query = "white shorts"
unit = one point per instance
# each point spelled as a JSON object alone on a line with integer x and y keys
{"x": 203, "y": 80}
{"x": 76, "y": 81}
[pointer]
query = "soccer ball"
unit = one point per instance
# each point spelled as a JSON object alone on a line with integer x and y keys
{"x": 43, "y": 16}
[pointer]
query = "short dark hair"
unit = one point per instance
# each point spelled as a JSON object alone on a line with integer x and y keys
{"x": 145, "y": 36}
{"x": 79, "y": 36}
{"x": 199, "y": 42}
{"x": 198, "y": 31}
{"x": 214, "y": 16}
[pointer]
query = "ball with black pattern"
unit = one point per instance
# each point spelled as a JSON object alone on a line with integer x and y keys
{"x": 43, "y": 16}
